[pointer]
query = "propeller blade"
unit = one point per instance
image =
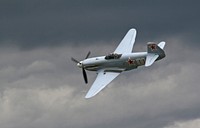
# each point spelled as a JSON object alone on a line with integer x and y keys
{"x": 80, "y": 65}
{"x": 87, "y": 55}
{"x": 76, "y": 61}
{"x": 84, "y": 75}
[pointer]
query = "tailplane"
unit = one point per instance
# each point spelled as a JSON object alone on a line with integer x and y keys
{"x": 154, "y": 52}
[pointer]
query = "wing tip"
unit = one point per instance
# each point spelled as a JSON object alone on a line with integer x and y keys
{"x": 88, "y": 96}
{"x": 133, "y": 30}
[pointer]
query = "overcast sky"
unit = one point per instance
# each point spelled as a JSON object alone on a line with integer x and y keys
{"x": 41, "y": 88}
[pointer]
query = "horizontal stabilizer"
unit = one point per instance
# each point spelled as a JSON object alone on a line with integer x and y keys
{"x": 161, "y": 44}
{"x": 150, "y": 59}
{"x": 154, "y": 52}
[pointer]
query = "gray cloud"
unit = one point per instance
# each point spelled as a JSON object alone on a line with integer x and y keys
{"x": 41, "y": 87}
{"x": 30, "y": 24}
{"x": 185, "y": 124}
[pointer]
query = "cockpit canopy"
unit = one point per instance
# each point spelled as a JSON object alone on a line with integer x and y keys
{"x": 113, "y": 56}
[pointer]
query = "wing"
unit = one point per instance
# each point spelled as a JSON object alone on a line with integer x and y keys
{"x": 127, "y": 42}
{"x": 103, "y": 79}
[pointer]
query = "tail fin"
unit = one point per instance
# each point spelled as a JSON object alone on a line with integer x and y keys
{"x": 154, "y": 52}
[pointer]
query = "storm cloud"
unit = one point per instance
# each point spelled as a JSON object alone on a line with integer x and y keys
{"x": 41, "y": 87}
{"x": 30, "y": 24}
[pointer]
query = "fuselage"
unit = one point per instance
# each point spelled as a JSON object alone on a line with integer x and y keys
{"x": 125, "y": 62}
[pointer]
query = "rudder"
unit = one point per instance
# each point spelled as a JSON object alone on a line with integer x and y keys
{"x": 154, "y": 52}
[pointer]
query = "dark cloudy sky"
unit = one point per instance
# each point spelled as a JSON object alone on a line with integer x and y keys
{"x": 41, "y": 88}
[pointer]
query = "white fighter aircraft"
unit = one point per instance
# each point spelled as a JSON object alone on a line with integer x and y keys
{"x": 122, "y": 59}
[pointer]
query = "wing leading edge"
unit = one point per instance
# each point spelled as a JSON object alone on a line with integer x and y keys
{"x": 126, "y": 45}
{"x": 103, "y": 79}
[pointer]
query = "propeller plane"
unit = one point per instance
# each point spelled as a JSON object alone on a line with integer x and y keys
{"x": 122, "y": 59}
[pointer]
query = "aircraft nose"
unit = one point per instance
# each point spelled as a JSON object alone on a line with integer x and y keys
{"x": 79, "y": 64}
